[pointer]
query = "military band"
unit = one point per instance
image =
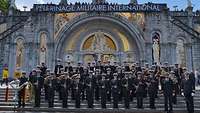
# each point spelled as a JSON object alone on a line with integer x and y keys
{"x": 107, "y": 83}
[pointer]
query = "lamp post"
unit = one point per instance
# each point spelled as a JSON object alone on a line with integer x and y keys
{"x": 24, "y": 8}
{"x": 175, "y": 7}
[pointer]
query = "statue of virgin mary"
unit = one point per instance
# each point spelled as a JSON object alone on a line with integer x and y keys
{"x": 156, "y": 51}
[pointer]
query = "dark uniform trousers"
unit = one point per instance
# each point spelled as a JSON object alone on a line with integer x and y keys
{"x": 64, "y": 92}
{"x": 90, "y": 97}
{"x": 168, "y": 103}
{"x": 109, "y": 93}
{"x": 37, "y": 96}
{"x": 126, "y": 97}
{"x": 190, "y": 103}
{"x": 140, "y": 94}
{"x": 152, "y": 92}
{"x": 21, "y": 97}
{"x": 103, "y": 97}
{"x": 140, "y": 101}
{"x": 51, "y": 93}
{"x": 73, "y": 91}
{"x": 77, "y": 100}
{"x": 168, "y": 95}
{"x": 82, "y": 90}
{"x": 176, "y": 89}
{"x": 46, "y": 91}
{"x": 188, "y": 90}
{"x": 115, "y": 94}
{"x": 97, "y": 93}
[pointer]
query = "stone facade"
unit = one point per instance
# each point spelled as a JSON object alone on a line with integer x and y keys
{"x": 131, "y": 33}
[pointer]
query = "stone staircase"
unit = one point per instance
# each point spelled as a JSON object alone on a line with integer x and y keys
{"x": 10, "y": 105}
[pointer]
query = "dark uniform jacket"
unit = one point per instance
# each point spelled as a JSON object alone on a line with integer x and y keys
{"x": 168, "y": 87}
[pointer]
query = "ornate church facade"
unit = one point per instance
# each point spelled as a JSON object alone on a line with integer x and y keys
{"x": 144, "y": 37}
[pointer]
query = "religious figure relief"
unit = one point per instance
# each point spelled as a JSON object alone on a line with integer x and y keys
{"x": 43, "y": 48}
{"x": 19, "y": 53}
{"x": 99, "y": 43}
{"x": 156, "y": 48}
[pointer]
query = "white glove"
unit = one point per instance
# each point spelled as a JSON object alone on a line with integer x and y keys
{"x": 192, "y": 94}
{"x": 182, "y": 94}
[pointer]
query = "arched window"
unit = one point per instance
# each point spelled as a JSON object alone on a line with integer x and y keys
{"x": 43, "y": 47}
{"x": 180, "y": 53}
{"x": 156, "y": 48}
{"x": 19, "y": 52}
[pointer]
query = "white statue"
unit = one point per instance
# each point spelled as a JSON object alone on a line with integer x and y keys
{"x": 189, "y": 3}
{"x": 156, "y": 51}
{"x": 12, "y": 3}
{"x": 19, "y": 52}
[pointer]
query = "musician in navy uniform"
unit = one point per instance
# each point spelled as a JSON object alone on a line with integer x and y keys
{"x": 83, "y": 75}
{"x": 69, "y": 69}
{"x": 21, "y": 94}
{"x": 140, "y": 90}
{"x": 125, "y": 86}
{"x": 132, "y": 84}
{"x": 188, "y": 92}
{"x": 51, "y": 82}
{"x": 152, "y": 89}
{"x": 43, "y": 69}
{"x": 120, "y": 75}
{"x": 100, "y": 66}
{"x": 175, "y": 86}
{"x": 115, "y": 90}
{"x": 72, "y": 87}
{"x": 178, "y": 73}
{"x": 59, "y": 90}
{"x": 58, "y": 68}
{"x": 38, "y": 84}
{"x": 79, "y": 68}
{"x": 90, "y": 90}
{"x": 65, "y": 85}
{"x": 77, "y": 92}
{"x": 109, "y": 76}
{"x": 102, "y": 85}
{"x": 45, "y": 85}
{"x": 168, "y": 93}
{"x": 97, "y": 77}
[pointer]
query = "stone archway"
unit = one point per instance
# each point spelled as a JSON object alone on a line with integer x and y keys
{"x": 127, "y": 36}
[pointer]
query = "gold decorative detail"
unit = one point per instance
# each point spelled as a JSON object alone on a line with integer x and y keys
{"x": 61, "y": 20}
{"x": 124, "y": 41}
{"x": 138, "y": 18}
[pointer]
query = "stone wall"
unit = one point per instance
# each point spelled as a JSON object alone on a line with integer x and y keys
{"x": 44, "y": 22}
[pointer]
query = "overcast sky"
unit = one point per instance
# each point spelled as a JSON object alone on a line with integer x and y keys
{"x": 180, "y": 3}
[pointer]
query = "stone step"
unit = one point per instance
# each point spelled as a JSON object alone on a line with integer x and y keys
{"x": 180, "y": 101}
{"x": 95, "y": 104}
{"x": 95, "y": 110}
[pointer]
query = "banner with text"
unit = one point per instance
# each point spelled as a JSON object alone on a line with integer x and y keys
{"x": 150, "y": 7}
